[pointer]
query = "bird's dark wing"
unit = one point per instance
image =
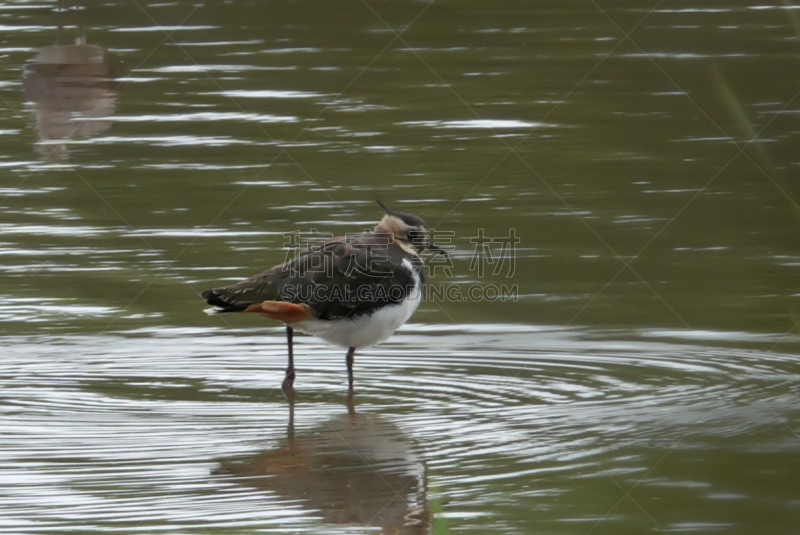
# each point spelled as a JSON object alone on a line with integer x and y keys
{"x": 345, "y": 277}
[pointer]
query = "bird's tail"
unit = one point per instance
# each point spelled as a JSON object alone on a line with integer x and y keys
{"x": 219, "y": 305}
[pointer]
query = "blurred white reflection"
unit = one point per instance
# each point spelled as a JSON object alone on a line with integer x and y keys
{"x": 71, "y": 89}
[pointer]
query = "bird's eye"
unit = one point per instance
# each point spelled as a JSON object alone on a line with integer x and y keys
{"x": 418, "y": 237}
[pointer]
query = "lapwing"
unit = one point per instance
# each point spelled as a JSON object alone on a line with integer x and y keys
{"x": 352, "y": 291}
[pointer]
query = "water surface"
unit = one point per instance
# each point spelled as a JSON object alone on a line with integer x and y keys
{"x": 644, "y": 380}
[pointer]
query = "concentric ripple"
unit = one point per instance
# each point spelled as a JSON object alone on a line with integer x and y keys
{"x": 494, "y": 429}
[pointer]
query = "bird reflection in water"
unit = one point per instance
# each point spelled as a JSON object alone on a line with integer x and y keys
{"x": 354, "y": 469}
{"x": 71, "y": 89}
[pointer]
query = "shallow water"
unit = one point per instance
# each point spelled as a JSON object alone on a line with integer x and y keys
{"x": 503, "y": 430}
{"x": 644, "y": 379}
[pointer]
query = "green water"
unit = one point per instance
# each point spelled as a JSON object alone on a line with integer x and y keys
{"x": 643, "y": 379}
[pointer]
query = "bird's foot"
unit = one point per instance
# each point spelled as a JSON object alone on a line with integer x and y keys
{"x": 288, "y": 391}
{"x": 288, "y": 384}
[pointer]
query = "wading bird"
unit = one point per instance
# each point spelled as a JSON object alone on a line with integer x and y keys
{"x": 351, "y": 291}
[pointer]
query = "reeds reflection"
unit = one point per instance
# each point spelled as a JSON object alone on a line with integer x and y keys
{"x": 353, "y": 469}
{"x": 71, "y": 89}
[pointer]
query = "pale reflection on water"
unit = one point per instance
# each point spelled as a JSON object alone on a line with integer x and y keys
{"x": 72, "y": 92}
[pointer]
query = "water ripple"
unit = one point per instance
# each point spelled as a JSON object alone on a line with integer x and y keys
{"x": 138, "y": 426}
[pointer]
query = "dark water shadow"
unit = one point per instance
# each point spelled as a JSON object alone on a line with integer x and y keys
{"x": 356, "y": 470}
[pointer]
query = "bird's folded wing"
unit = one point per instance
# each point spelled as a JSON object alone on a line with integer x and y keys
{"x": 345, "y": 277}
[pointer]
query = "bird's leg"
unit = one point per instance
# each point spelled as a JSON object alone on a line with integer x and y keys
{"x": 350, "y": 353}
{"x": 288, "y": 380}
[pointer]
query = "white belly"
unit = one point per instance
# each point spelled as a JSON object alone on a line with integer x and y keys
{"x": 366, "y": 330}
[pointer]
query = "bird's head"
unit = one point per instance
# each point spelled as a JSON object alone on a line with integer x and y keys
{"x": 409, "y": 231}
